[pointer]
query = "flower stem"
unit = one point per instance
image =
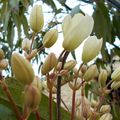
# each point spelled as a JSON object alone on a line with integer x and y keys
{"x": 37, "y": 115}
{"x": 59, "y": 87}
{"x": 73, "y": 105}
{"x": 50, "y": 104}
{"x": 33, "y": 36}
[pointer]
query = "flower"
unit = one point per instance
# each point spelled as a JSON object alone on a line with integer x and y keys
{"x": 36, "y": 18}
{"x": 116, "y": 74}
{"x": 50, "y": 38}
{"x": 90, "y": 73}
{"x": 22, "y": 69}
{"x": 75, "y": 30}
{"x": 49, "y": 64}
{"x": 102, "y": 78}
{"x": 26, "y": 44}
{"x": 91, "y": 48}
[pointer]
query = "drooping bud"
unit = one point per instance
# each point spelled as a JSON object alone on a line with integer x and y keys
{"x": 36, "y": 18}
{"x": 22, "y": 69}
{"x": 70, "y": 64}
{"x": 59, "y": 66}
{"x": 26, "y": 44}
{"x": 83, "y": 69}
{"x": 1, "y": 54}
{"x": 106, "y": 116}
{"x": 50, "y": 38}
{"x": 92, "y": 46}
{"x": 90, "y": 73}
{"x": 37, "y": 83}
{"x": 115, "y": 85}
{"x": 32, "y": 97}
{"x": 3, "y": 64}
{"x": 49, "y": 63}
{"x": 86, "y": 107}
{"x": 73, "y": 34}
{"x": 105, "y": 109}
{"x": 116, "y": 74}
{"x": 102, "y": 78}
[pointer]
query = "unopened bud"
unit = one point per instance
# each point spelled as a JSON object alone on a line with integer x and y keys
{"x": 115, "y": 85}
{"x": 102, "y": 78}
{"x": 50, "y": 38}
{"x": 49, "y": 63}
{"x": 1, "y": 54}
{"x": 22, "y": 69}
{"x": 86, "y": 107}
{"x": 32, "y": 97}
{"x": 90, "y": 73}
{"x": 106, "y": 116}
{"x": 116, "y": 74}
{"x": 26, "y": 44}
{"x": 36, "y": 18}
{"x": 83, "y": 69}
{"x": 70, "y": 64}
{"x": 105, "y": 109}
{"x": 59, "y": 66}
{"x": 3, "y": 64}
{"x": 37, "y": 83}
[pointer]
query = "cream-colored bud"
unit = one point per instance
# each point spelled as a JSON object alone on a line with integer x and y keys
{"x": 37, "y": 83}
{"x": 26, "y": 44}
{"x": 36, "y": 18}
{"x": 115, "y": 85}
{"x": 32, "y": 54}
{"x": 106, "y": 116}
{"x": 70, "y": 64}
{"x": 102, "y": 78}
{"x": 116, "y": 74}
{"x": 32, "y": 97}
{"x": 73, "y": 34}
{"x": 59, "y": 66}
{"x": 105, "y": 109}
{"x": 91, "y": 48}
{"x": 3, "y": 64}
{"x": 50, "y": 38}
{"x": 22, "y": 69}
{"x": 90, "y": 73}
{"x": 1, "y": 54}
{"x": 49, "y": 63}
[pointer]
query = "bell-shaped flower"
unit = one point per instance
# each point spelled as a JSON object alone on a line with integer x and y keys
{"x": 91, "y": 48}
{"x": 75, "y": 30}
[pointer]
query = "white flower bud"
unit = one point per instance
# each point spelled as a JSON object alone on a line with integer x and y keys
{"x": 26, "y": 44}
{"x": 91, "y": 48}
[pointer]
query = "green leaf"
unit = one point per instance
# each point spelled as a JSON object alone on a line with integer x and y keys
{"x": 10, "y": 34}
{"x": 102, "y": 23}
{"x": 16, "y": 90}
{"x": 17, "y": 21}
{"x": 25, "y": 25}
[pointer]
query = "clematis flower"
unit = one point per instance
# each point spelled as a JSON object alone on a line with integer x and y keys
{"x": 75, "y": 30}
{"x": 91, "y": 48}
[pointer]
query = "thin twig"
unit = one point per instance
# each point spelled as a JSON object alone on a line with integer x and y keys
{"x": 37, "y": 115}
{"x": 59, "y": 87}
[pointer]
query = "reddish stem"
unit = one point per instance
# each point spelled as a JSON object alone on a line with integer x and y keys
{"x": 37, "y": 115}
{"x": 73, "y": 105}
{"x": 50, "y": 104}
{"x": 9, "y": 96}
